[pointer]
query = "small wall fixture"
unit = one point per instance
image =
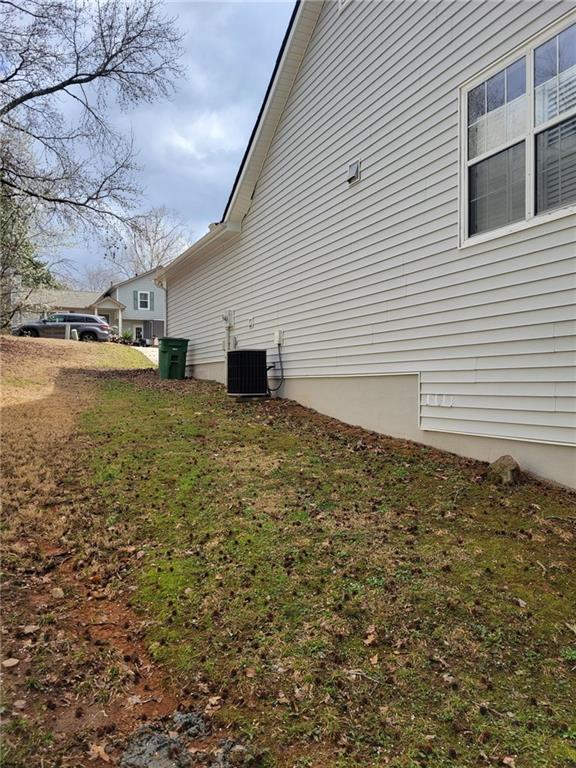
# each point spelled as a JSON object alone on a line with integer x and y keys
{"x": 354, "y": 172}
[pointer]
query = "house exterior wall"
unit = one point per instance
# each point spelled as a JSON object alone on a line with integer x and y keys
{"x": 125, "y": 295}
{"x": 369, "y": 280}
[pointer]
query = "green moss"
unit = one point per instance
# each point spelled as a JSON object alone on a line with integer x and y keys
{"x": 272, "y": 546}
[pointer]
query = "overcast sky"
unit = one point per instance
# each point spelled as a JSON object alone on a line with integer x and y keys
{"x": 189, "y": 148}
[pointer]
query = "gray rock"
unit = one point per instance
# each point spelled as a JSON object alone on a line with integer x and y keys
{"x": 191, "y": 724}
{"x": 231, "y": 754}
{"x": 504, "y": 471}
{"x": 150, "y": 747}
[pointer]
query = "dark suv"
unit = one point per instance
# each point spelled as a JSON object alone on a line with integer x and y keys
{"x": 89, "y": 327}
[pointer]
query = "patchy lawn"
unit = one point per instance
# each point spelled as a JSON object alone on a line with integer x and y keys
{"x": 331, "y": 597}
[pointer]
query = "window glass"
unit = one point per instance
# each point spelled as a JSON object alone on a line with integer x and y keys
{"x": 555, "y": 76}
{"x": 546, "y": 61}
{"x": 516, "y": 80}
{"x": 556, "y": 166}
{"x": 476, "y": 103}
{"x": 567, "y": 48}
{"x": 497, "y": 110}
{"x": 496, "y": 91}
{"x": 143, "y": 301}
{"x": 497, "y": 190}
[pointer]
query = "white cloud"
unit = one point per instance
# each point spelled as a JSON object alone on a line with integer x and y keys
{"x": 208, "y": 133}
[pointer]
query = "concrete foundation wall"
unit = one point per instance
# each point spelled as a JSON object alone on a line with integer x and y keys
{"x": 212, "y": 371}
{"x": 389, "y": 405}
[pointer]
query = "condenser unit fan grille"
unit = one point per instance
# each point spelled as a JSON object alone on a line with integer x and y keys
{"x": 247, "y": 374}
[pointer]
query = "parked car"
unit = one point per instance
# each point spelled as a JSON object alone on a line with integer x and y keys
{"x": 89, "y": 327}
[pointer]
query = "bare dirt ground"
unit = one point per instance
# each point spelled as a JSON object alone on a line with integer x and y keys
{"x": 68, "y": 649}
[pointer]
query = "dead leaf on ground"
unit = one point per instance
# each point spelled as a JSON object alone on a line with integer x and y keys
{"x": 371, "y": 635}
{"x": 9, "y": 663}
{"x": 97, "y": 751}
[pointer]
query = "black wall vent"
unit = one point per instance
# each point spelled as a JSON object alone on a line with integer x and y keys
{"x": 247, "y": 374}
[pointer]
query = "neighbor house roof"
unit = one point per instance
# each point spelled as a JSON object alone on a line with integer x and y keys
{"x": 113, "y": 286}
{"x": 52, "y": 297}
{"x": 298, "y": 34}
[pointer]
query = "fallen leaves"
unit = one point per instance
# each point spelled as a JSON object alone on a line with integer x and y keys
{"x": 97, "y": 752}
{"x": 10, "y": 663}
{"x": 371, "y": 635}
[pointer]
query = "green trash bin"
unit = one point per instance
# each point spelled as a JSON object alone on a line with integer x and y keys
{"x": 172, "y": 357}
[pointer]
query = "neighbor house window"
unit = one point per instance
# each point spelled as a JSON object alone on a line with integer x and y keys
{"x": 520, "y": 137}
{"x": 143, "y": 300}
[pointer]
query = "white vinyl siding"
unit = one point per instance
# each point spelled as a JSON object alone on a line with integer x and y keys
{"x": 369, "y": 279}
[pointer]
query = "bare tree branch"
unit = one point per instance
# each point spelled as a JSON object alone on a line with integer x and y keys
{"x": 91, "y": 54}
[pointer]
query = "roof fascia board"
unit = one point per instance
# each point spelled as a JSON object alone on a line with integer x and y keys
{"x": 294, "y": 46}
{"x": 219, "y": 235}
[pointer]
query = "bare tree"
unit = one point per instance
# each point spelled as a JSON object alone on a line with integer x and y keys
{"x": 150, "y": 240}
{"x": 62, "y": 63}
{"x": 97, "y": 276}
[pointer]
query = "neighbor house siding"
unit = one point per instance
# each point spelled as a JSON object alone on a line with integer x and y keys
{"x": 125, "y": 295}
{"x": 369, "y": 279}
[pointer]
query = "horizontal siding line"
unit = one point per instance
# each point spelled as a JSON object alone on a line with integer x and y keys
{"x": 354, "y": 331}
{"x": 220, "y": 264}
{"x": 508, "y": 407}
{"x": 540, "y": 441}
{"x": 360, "y": 252}
{"x": 352, "y": 342}
{"x": 225, "y": 266}
{"x": 408, "y": 344}
{"x": 520, "y": 418}
{"x": 304, "y": 331}
{"x": 554, "y": 360}
{"x": 536, "y": 285}
{"x": 569, "y": 304}
{"x": 351, "y": 73}
{"x": 286, "y": 293}
{"x": 419, "y": 102}
{"x": 390, "y": 181}
{"x": 323, "y": 320}
{"x": 431, "y": 353}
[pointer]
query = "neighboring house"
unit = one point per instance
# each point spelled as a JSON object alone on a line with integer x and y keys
{"x": 406, "y": 214}
{"x": 41, "y": 302}
{"x": 137, "y": 305}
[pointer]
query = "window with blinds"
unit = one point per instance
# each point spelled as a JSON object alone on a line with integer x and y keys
{"x": 520, "y": 137}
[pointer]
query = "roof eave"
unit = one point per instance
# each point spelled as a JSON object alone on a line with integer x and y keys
{"x": 298, "y": 34}
{"x": 218, "y": 235}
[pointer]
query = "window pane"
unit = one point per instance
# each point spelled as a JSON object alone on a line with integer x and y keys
{"x": 497, "y": 190}
{"x": 496, "y": 128}
{"x": 476, "y": 103}
{"x": 516, "y": 117}
{"x": 556, "y": 166}
{"x": 567, "y": 44}
{"x": 496, "y": 91}
{"x": 555, "y": 76}
{"x": 515, "y": 80}
{"x": 545, "y": 62}
{"x": 497, "y": 110}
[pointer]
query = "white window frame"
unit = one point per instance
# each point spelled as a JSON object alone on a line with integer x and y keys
{"x": 144, "y": 293}
{"x": 532, "y": 219}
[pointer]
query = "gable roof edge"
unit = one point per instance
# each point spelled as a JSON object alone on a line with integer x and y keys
{"x": 292, "y": 52}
